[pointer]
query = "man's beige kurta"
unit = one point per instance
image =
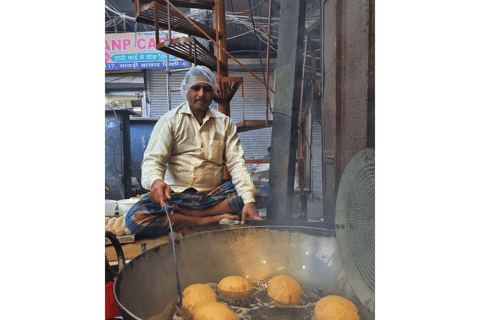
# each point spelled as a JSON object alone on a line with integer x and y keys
{"x": 186, "y": 154}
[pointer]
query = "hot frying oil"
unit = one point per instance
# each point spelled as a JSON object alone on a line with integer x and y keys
{"x": 260, "y": 306}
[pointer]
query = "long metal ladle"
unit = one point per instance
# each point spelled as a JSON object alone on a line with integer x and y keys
{"x": 179, "y": 292}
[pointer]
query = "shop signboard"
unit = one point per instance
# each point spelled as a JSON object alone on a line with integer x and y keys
{"x": 138, "y": 51}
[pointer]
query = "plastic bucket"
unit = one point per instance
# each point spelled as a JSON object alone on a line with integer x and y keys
{"x": 125, "y": 205}
{"x": 109, "y": 207}
{"x": 111, "y": 308}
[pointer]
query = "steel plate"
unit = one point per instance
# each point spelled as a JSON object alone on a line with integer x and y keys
{"x": 355, "y": 225}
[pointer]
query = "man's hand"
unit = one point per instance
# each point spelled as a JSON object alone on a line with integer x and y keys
{"x": 250, "y": 210}
{"x": 160, "y": 192}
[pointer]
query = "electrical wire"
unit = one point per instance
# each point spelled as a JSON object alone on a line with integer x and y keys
{"x": 233, "y": 12}
{"x": 241, "y": 22}
{"x": 260, "y": 58}
{"x": 122, "y": 15}
{"x": 271, "y": 44}
{"x": 258, "y": 46}
{"x": 121, "y": 18}
{"x": 236, "y": 32}
{"x": 236, "y": 21}
{"x": 246, "y": 51}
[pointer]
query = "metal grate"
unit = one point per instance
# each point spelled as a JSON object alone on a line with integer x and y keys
{"x": 191, "y": 50}
{"x": 361, "y": 214}
{"x": 355, "y": 225}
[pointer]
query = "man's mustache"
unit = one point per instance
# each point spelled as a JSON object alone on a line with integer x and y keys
{"x": 200, "y": 99}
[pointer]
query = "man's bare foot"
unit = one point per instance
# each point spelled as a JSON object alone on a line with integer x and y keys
{"x": 217, "y": 219}
{"x": 175, "y": 236}
{"x": 203, "y": 221}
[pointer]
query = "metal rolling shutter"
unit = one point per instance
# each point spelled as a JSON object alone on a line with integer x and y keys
{"x": 255, "y": 142}
{"x": 157, "y": 85}
{"x": 317, "y": 169}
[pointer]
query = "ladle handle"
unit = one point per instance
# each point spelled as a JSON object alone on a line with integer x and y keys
{"x": 118, "y": 250}
{"x": 179, "y": 291}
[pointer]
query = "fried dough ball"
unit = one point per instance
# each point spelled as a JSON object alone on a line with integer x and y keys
{"x": 118, "y": 222}
{"x": 235, "y": 287}
{"x": 284, "y": 289}
{"x": 335, "y": 308}
{"x": 215, "y": 311}
{"x": 119, "y": 231}
{"x": 197, "y": 296}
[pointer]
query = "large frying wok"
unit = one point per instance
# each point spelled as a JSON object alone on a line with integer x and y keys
{"x": 146, "y": 286}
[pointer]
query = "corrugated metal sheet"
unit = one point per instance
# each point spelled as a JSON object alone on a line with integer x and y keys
{"x": 124, "y": 81}
{"x": 255, "y": 142}
{"x": 157, "y": 84}
{"x": 317, "y": 168}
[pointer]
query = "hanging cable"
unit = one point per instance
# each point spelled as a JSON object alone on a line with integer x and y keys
{"x": 233, "y": 12}
{"x": 236, "y": 32}
{"x": 260, "y": 58}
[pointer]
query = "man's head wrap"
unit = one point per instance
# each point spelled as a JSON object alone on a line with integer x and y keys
{"x": 198, "y": 74}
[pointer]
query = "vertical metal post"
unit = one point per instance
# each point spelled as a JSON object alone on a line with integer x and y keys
{"x": 169, "y": 28}
{"x": 157, "y": 37}
{"x": 195, "y": 52}
{"x": 169, "y": 91}
{"x": 168, "y": 73}
{"x": 137, "y": 7}
{"x": 243, "y": 104}
{"x": 340, "y": 37}
{"x": 268, "y": 60}
{"x": 217, "y": 49}
{"x": 220, "y": 26}
{"x": 147, "y": 74}
{"x": 371, "y": 76}
{"x": 285, "y": 117}
{"x": 223, "y": 105}
{"x": 303, "y": 79}
{"x": 144, "y": 104}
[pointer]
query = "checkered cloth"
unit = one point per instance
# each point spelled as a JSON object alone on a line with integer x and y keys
{"x": 147, "y": 218}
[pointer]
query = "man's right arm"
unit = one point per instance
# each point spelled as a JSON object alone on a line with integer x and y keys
{"x": 158, "y": 153}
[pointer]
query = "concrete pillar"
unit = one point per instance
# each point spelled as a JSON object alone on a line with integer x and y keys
{"x": 287, "y": 104}
{"x": 348, "y": 108}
